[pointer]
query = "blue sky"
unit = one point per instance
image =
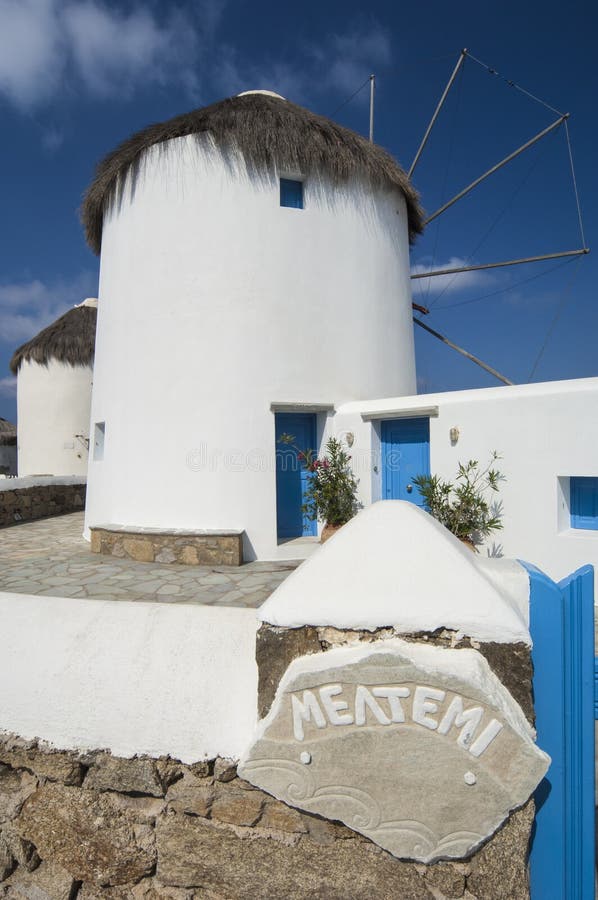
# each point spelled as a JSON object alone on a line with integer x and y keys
{"x": 78, "y": 77}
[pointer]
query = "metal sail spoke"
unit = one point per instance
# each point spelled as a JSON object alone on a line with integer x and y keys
{"x": 460, "y": 62}
{"x": 463, "y": 352}
{"x": 496, "y": 167}
{"x": 499, "y": 265}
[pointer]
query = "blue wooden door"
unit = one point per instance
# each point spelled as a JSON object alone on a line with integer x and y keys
{"x": 562, "y": 857}
{"x": 405, "y": 454}
{"x": 291, "y": 475}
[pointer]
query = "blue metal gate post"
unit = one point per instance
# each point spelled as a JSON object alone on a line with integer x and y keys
{"x": 578, "y": 608}
{"x": 562, "y": 629}
{"x": 547, "y": 856}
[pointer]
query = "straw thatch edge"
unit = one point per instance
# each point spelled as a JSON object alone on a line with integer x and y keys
{"x": 70, "y": 339}
{"x": 269, "y": 132}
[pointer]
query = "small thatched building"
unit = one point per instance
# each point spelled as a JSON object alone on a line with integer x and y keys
{"x": 8, "y": 448}
{"x": 254, "y": 275}
{"x": 54, "y": 371}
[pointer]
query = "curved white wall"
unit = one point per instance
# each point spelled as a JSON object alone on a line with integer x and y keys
{"x": 53, "y": 404}
{"x": 215, "y": 302}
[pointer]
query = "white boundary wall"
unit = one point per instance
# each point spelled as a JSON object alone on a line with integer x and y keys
{"x": 53, "y": 404}
{"x": 545, "y": 433}
{"x": 214, "y": 303}
{"x": 133, "y": 678}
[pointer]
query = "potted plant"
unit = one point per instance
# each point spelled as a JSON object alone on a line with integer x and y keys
{"x": 331, "y": 493}
{"x": 462, "y": 505}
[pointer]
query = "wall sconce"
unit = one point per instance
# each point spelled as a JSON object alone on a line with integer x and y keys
{"x": 349, "y": 438}
{"x": 454, "y": 435}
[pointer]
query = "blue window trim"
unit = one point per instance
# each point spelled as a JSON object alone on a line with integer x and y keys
{"x": 291, "y": 193}
{"x": 583, "y": 502}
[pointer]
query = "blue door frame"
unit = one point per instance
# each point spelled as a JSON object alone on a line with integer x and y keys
{"x": 405, "y": 447}
{"x": 291, "y": 475}
{"x": 562, "y": 857}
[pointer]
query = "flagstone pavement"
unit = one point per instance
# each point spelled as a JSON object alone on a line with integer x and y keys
{"x": 50, "y": 557}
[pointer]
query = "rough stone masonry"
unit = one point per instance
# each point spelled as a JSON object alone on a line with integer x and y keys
{"x": 418, "y": 747}
{"x": 24, "y": 504}
{"x": 92, "y": 825}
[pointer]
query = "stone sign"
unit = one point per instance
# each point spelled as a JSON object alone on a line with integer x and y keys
{"x": 418, "y": 747}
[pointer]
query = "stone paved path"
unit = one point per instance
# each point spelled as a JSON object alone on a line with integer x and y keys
{"x": 50, "y": 557}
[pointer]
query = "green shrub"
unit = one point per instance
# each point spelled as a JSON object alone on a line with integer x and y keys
{"x": 462, "y": 505}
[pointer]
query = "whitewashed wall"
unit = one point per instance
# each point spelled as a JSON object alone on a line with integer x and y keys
{"x": 215, "y": 302}
{"x": 544, "y": 432}
{"x": 133, "y": 678}
{"x": 53, "y": 404}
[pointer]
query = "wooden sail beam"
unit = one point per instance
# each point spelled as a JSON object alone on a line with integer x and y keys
{"x": 496, "y": 167}
{"x": 463, "y": 352}
{"x": 499, "y": 265}
{"x": 421, "y": 309}
{"x": 460, "y": 62}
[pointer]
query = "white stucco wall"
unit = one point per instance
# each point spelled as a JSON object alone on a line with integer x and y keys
{"x": 216, "y": 302}
{"x": 53, "y": 404}
{"x": 133, "y": 678}
{"x": 376, "y": 572}
{"x": 544, "y": 432}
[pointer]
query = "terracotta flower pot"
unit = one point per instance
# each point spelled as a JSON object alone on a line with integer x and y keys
{"x": 328, "y": 531}
{"x": 470, "y": 544}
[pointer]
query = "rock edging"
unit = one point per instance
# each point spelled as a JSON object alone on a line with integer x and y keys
{"x": 25, "y": 504}
{"x": 91, "y": 825}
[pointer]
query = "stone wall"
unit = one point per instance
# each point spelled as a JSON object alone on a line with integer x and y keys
{"x": 38, "y": 501}
{"x": 92, "y": 825}
{"x": 153, "y": 545}
{"x": 277, "y": 647}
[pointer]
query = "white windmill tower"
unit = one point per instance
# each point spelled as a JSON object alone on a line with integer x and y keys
{"x": 254, "y": 275}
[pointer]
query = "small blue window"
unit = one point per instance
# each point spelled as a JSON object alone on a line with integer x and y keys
{"x": 291, "y": 193}
{"x": 584, "y": 503}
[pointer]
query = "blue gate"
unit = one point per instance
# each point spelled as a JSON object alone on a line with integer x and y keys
{"x": 562, "y": 857}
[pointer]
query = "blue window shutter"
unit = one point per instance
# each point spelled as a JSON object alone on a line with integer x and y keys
{"x": 584, "y": 503}
{"x": 291, "y": 193}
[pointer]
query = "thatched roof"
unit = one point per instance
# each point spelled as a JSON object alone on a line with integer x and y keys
{"x": 70, "y": 339}
{"x": 268, "y": 131}
{"x": 8, "y": 433}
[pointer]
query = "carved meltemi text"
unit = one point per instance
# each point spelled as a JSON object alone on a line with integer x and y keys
{"x": 429, "y": 707}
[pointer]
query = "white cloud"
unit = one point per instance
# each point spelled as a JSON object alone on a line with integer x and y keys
{"x": 8, "y": 386}
{"x": 339, "y": 62}
{"x": 49, "y": 45}
{"x": 353, "y": 56}
{"x": 448, "y": 284}
{"x": 51, "y": 48}
{"x": 52, "y": 139}
{"x": 30, "y": 50}
{"x": 115, "y": 51}
{"x": 27, "y": 307}
{"x": 233, "y": 74}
